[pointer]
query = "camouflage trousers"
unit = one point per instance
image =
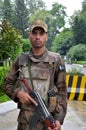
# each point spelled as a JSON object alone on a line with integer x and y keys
{"x": 23, "y": 121}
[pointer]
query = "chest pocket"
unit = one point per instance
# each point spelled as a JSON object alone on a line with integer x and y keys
{"x": 41, "y": 79}
{"x": 40, "y": 74}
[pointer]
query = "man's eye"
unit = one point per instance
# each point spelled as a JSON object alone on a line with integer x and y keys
{"x": 41, "y": 33}
{"x": 34, "y": 33}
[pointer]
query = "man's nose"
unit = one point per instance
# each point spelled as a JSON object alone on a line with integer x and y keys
{"x": 37, "y": 35}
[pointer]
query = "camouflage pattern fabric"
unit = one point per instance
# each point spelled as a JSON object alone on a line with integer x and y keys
{"x": 23, "y": 121}
{"x": 41, "y": 68}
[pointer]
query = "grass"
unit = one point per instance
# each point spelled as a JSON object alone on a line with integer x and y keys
{"x": 4, "y": 98}
{"x": 1, "y": 67}
{"x": 80, "y": 62}
{"x": 75, "y": 71}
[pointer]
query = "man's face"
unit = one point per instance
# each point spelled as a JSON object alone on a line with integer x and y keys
{"x": 38, "y": 37}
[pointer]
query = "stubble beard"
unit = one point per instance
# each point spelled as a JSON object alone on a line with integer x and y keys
{"x": 38, "y": 46}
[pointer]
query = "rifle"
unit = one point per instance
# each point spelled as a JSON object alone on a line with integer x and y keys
{"x": 41, "y": 108}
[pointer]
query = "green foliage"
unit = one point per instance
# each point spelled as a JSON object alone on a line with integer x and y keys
{"x": 80, "y": 62}
{"x": 35, "y": 6}
{"x": 58, "y": 12}
{"x": 63, "y": 41}
{"x": 26, "y": 45}
{"x": 7, "y": 10}
{"x": 77, "y": 52}
{"x": 57, "y": 20}
{"x": 79, "y": 29}
{"x": 10, "y": 41}
{"x": 3, "y": 72}
{"x": 75, "y": 71}
{"x": 79, "y": 25}
{"x": 1, "y": 6}
{"x": 4, "y": 98}
{"x": 21, "y": 16}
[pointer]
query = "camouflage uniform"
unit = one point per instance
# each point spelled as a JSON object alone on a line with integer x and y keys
{"x": 42, "y": 69}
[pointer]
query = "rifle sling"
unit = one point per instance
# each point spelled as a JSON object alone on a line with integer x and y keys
{"x": 30, "y": 74}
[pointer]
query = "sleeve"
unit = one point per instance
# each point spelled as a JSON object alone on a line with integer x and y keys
{"x": 60, "y": 82}
{"x": 9, "y": 84}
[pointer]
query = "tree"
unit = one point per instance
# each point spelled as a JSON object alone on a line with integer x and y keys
{"x": 84, "y": 6}
{"x": 35, "y": 6}
{"x": 1, "y": 5}
{"x": 21, "y": 17}
{"x": 63, "y": 41}
{"x": 58, "y": 13}
{"x": 10, "y": 41}
{"x": 77, "y": 52}
{"x": 7, "y": 10}
{"x": 79, "y": 30}
{"x": 79, "y": 25}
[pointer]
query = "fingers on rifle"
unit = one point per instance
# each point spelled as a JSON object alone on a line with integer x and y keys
{"x": 33, "y": 101}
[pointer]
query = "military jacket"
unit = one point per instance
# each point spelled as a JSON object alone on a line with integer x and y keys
{"x": 47, "y": 72}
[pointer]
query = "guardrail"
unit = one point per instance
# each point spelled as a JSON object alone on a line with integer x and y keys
{"x": 76, "y": 87}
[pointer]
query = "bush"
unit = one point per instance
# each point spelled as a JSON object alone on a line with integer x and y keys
{"x": 4, "y": 98}
{"x": 3, "y": 72}
{"x": 80, "y": 62}
{"x": 26, "y": 45}
{"x": 10, "y": 41}
{"x": 77, "y": 52}
{"x": 75, "y": 71}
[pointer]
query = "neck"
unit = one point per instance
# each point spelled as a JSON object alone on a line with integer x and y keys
{"x": 37, "y": 51}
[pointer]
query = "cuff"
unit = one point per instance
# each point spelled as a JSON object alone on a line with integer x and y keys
{"x": 15, "y": 98}
{"x": 57, "y": 117}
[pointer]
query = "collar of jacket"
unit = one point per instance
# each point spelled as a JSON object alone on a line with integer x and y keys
{"x": 41, "y": 57}
{"x": 48, "y": 57}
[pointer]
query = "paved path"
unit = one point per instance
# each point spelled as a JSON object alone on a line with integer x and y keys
{"x": 8, "y": 121}
{"x": 75, "y": 118}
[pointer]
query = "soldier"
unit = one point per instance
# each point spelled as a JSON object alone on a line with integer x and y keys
{"x": 44, "y": 71}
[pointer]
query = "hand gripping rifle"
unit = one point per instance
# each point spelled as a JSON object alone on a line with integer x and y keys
{"x": 41, "y": 109}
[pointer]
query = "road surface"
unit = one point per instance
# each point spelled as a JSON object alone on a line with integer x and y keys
{"x": 75, "y": 118}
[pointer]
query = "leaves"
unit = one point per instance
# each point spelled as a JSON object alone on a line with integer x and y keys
{"x": 78, "y": 52}
{"x": 63, "y": 41}
{"x": 10, "y": 41}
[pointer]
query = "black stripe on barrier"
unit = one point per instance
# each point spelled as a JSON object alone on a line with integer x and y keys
{"x": 78, "y": 88}
{"x": 69, "y": 86}
{"x": 84, "y": 97}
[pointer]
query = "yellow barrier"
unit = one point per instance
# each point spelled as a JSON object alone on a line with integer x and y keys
{"x": 76, "y": 87}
